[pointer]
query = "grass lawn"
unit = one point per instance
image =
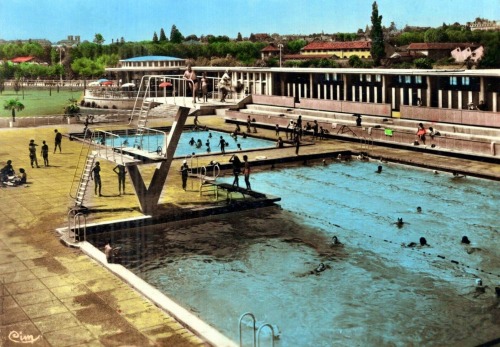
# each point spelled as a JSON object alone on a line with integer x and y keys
{"x": 39, "y": 102}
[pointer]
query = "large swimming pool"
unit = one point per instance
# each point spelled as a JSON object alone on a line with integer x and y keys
{"x": 373, "y": 291}
{"x": 209, "y": 141}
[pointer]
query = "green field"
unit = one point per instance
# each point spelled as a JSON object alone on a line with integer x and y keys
{"x": 39, "y": 102}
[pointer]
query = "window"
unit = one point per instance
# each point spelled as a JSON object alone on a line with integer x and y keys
{"x": 418, "y": 79}
{"x": 378, "y": 78}
{"x": 465, "y": 81}
{"x": 407, "y": 79}
{"x": 368, "y": 78}
{"x": 453, "y": 81}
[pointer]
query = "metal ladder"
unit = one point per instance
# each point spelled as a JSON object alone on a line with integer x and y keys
{"x": 76, "y": 227}
{"x": 256, "y": 334}
{"x": 84, "y": 179}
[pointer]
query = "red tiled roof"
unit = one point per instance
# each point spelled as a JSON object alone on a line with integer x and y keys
{"x": 269, "y": 48}
{"x": 317, "y": 45}
{"x": 439, "y": 45}
{"x": 307, "y": 56}
{"x": 22, "y": 59}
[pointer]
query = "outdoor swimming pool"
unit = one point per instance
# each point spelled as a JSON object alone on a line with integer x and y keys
{"x": 184, "y": 148}
{"x": 373, "y": 292}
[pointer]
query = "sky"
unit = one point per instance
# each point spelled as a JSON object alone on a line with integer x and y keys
{"x": 138, "y": 20}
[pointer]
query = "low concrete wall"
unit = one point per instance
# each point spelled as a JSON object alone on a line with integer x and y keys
{"x": 462, "y": 117}
{"x": 346, "y": 107}
{"x": 285, "y": 101}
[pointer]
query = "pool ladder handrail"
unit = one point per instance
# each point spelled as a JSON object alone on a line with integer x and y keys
{"x": 256, "y": 334}
{"x": 77, "y": 223}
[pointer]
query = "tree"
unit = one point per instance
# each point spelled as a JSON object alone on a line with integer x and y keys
{"x": 175, "y": 35}
{"x": 13, "y": 105}
{"x": 99, "y": 39}
{"x": 163, "y": 37}
{"x": 239, "y": 37}
{"x": 155, "y": 38}
{"x": 377, "y": 36}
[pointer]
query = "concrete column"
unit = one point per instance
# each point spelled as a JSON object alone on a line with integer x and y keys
{"x": 319, "y": 91}
{"x": 384, "y": 89}
{"x": 459, "y": 100}
{"x": 428, "y": 92}
{"x": 345, "y": 88}
{"x": 469, "y": 97}
{"x": 339, "y": 97}
{"x": 410, "y": 96}
{"x": 375, "y": 94}
{"x": 331, "y": 92}
{"x": 393, "y": 97}
{"x": 293, "y": 90}
{"x": 481, "y": 89}
{"x": 402, "y": 96}
{"x": 450, "y": 100}
{"x": 353, "y": 97}
{"x": 361, "y": 94}
{"x": 440, "y": 98}
{"x": 494, "y": 102}
{"x": 288, "y": 89}
{"x": 368, "y": 99}
{"x": 300, "y": 90}
{"x": 311, "y": 86}
{"x": 305, "y": 90}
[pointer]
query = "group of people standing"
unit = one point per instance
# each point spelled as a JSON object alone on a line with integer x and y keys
{"x": 95, "y": 175}
{"x": 194, "y": 84}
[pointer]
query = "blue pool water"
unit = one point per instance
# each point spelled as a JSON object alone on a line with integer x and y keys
{"x": 152, "y": 142}
{"x": 374, "y": 291}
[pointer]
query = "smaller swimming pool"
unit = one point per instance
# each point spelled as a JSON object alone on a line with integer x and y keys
{"x": 196, "y": 142}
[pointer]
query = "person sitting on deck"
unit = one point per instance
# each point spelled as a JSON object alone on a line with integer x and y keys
{"x": 7, "y": 171}
{"x": 421, "y": 132}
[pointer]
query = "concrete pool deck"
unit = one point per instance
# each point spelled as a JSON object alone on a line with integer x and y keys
{"x": 60, "y": 296}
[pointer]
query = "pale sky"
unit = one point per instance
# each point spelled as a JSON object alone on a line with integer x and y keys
{"x": 137, "y": 20}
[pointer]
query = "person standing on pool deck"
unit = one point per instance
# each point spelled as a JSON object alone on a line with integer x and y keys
{"x": 236, "y": 169}
{"x": 297, "y": 144}
{"x": 246, "y": 171}
{"x": 122, "y": 173}
{"x": 32, "y": 149}
{"x": 57, "y": 140}
{"x": 222, "y": 144}
{"x": 45, "y": 153}
{"x": 95, "y": 175}
{"x": 184, "y": 174}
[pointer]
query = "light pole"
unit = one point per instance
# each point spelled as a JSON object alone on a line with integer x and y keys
{"x": 60, "y": 49}
{"x": 280, "y": 46}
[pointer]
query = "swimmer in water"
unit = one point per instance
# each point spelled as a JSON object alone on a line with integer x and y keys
{"x": 400, "y": 223}
{"x": 335, "y": 241}
{"x": 419, "y": 209}
{"x": 321, "y": 267}
{"x": 465, "y": 240}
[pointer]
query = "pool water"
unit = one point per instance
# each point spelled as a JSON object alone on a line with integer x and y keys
{"x": 373, "y": 290}
{"x": 184, "y": 148}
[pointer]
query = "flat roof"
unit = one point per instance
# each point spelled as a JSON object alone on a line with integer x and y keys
{"x": 153, "y": 58}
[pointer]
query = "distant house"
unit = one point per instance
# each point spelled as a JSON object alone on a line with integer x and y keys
{"x": 484, "y": 24}
{"x": 438, "y": 50}
{"x": 340, "y": 50}
{"x": 269, "y": 52}
{"x": 467, "y": 54}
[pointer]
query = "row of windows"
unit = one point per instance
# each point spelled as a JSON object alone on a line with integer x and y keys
{"x": 408, "y": 79}
{"x": 153, "y": 64}
{"x": 322, "y": 51}
{"x": 464, "y": 79}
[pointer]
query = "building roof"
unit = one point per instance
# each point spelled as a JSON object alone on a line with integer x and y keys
{"x": 337, "y": 45}
{"x": 19, "y": 60}
{"x": 440, "y": 45}
{"x": 269, "y": 48}
{"x": 306, "y": 56}
{"x": 152, "y": 58}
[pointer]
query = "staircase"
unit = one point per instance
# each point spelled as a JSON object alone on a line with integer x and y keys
{"x": 84, "y": 179}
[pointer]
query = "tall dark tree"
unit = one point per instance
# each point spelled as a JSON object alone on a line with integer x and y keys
{"x": 155, "y": 38}
{"x": 163, "y": 37}
{"x": 239, "y": 37}
{"x": 175, "y": 35}
{"x": 377, "y": 36}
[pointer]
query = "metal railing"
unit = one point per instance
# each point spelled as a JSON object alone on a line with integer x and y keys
{"x": 76, "y": 227}
{"x": 100, "y": 139}
{"x": 151, "y": 140}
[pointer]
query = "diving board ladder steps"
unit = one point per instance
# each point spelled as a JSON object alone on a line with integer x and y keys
{"x": 142, "y": 121}
{"x": 84, "y": 179}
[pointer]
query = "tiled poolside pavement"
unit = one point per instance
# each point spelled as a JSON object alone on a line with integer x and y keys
{"x": 59, "y": 296}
